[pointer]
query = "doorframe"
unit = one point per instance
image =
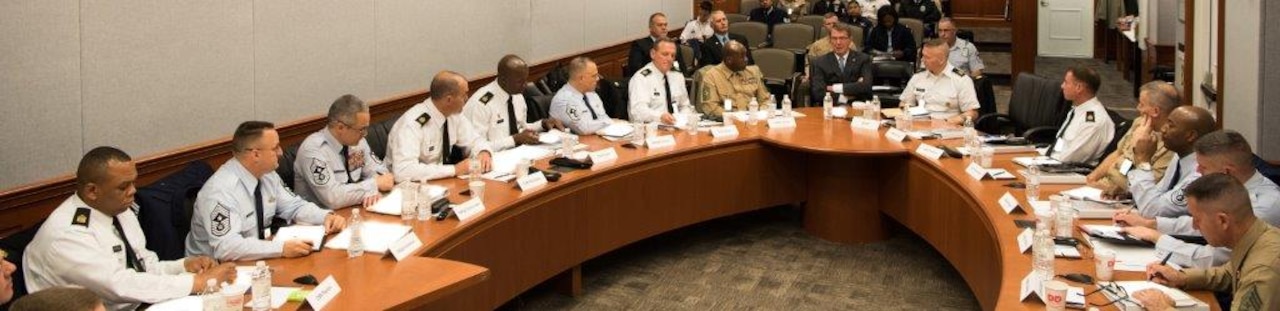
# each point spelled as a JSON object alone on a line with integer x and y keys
{"x": 1025, "y": 36}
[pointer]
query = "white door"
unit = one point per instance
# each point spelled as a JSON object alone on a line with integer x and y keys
{"x": 1066, "y": 28}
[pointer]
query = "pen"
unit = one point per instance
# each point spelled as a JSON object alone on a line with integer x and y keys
{"x": 1162, "y": 262}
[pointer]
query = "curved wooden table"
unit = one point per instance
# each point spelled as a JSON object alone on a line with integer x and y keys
{"x": 853, "y": 184}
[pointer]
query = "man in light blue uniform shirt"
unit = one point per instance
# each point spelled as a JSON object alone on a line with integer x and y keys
{"x": 335, "y": 167}
{"x": 576, "y": 104}
{"x": 1221, "y": 152}
{"x": 1164, "y": 198}
{"x": 234, "y": 209}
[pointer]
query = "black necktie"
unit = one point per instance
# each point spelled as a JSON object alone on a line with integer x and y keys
{"x": 346, "y": 164}
{"x": 588, "y": 102}
{"x": 511, "y": 115}
{"x": 1063, "y": 129}
{"x": 667, "y": 87}
{"x": 1177, "y": 175}
{"x": 257, "y": 207}
{"x": 448, "y": 146}
{"x": 132, "y": 261}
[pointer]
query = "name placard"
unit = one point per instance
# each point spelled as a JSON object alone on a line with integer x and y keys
{"x": 929, "y": 151}
{"x": 659, "y": 142}
{"x": 405, "y": 246}
{"x": 976, "y": 171}
{"x": 532, "y": 181}
{"x": 604, "y": 156}
{"x": 895, "y": 135}
{"x": 469, "y": 210}
{"x": 724, "y": 131}
{"x": 1008, "y": 203}
{"x": 782, "y": 123}
{"x": 324, "y": 293}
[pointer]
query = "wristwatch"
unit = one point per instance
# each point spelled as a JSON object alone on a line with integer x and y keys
{"x": 1144, "y": 166}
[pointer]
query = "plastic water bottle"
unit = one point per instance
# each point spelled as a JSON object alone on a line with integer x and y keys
{"x": 826, "y": 106}
{"x": 473, "y": 167}
{"x": 1033, "y": 183}
{"x": 875, "y": 107}
{"x": 786, "y": 106}
{"x": 971, "y": 136}
{"x": 261, "y": 288}
{"x": 211, "y": 297}
{"x": 753, "y": 107}
{"x": 769, "y": 107}
{"x": 356, "y": 247}
{"x": 1042, "y": 252}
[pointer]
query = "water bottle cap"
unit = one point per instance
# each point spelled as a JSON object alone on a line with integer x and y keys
{"x": 262, "y": 263}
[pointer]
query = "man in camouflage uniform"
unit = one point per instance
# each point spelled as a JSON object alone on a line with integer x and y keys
{"x": 731, "y": 80}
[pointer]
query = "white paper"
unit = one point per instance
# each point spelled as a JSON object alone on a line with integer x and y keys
{"x": 506, "y": 161}
{"x": 1000, "y": 174}
{"x": 280, "y": 295}
{"x": 1126, "y": 166}
{"x": 1008, "y": 202}
{"x": 659, "y": 142}
{"x": 324, "y": 293}
{"x": 312, "y": 234}
{"x": 616, "y": 130}
{"x": 405, "y": 246}
{"x": 724, "y": 131}
{"x": 1180, "y": 298}
{"x": 552, "y": 137}
{"x": 377, "y": 236}
{"x": 1066, "y": 251}
{"x": 604, "y": 156}
{"x": 180, "y": 304}
{"x": 895, "y": 134}
{"x": 864, "y": 124}
{"x": 468, "y": 210}
{"x": 531, "y": 182}
{"x": 929, "y": 151}
{"x": 392, "y": 203}
{"x": 918, "y": 110}
{"x": 1040, "y": 206}
{"x": 782, "y": 123}
{"x": 1128, "y": 257}
{"x": 1025, "y": 161}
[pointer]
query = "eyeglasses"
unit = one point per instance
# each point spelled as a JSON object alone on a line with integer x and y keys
{"x": 1111, "y": 290}
{"x": 362, "y": 130}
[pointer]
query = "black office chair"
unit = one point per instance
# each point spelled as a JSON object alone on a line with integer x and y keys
{"x": 531, "y": 89}
{"x": 378, "y": 136}
{"x": 890, "y": 77}
{"x": 613, "y": 94}
{"x": 1266, "y": 169}
{"x": 166, "y": 206}
{"x": 1036, "y": 110}
{"x": 285, "y": 169}
{"x": 1122, "y": 126}
{"x": 539, "y": 107}
{"x": 985, "y": 91}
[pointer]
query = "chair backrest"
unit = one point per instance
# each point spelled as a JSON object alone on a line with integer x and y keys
{"x": 986, "y": 94}
{"x": 917, "y": 28}
{"x": 1122, "y": 126}
{"x": 814, "y": 21}
{"x": 891, "y": 73}
{"x": 792, "y": 36}
{"x": 1037, "y": 101}
{"x": 613, "y": 94}
{"x": 857, "y": 36}
{"x": 378, "y": 136}
{"x": 531, "y": 89}
{"x": 965, "y": 34}
{"x": 285, "y": 168}
{"x": 686, "y": 57}
{"x": 166, "y": 206}
{"x": 539, "y": 107}
{"x": 775, "y": 63}
{"x": 747, "y": 5}
{"x": 755, "y": 32}
{"x": 735, "y": 18}
{"x": 695, "y": 97}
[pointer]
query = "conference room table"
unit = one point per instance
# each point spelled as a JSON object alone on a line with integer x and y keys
{"x": 853, "y": 186}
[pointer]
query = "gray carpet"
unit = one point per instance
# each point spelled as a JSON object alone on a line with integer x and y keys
{"x": 762, "y": 261}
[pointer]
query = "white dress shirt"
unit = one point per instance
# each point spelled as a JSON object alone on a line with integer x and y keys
{"x": 1085, "y": 136}
{"x": 648, "y": 96}
{"x": 487, "y": 111}
{"x": 416, "y": 143}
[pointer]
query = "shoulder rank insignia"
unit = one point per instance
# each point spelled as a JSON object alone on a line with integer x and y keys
{"x": 487, "y": 96}
{"x": 646, "y": 72}
{"x": 81, "y": 218}
{"x": 958, "y": 71}
{"x": 422, "y": 120}
{"x": 1088, "y": 116}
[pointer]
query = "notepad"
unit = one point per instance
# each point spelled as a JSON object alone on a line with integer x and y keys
{"x": 616, "y": 130}
{"x": 1180, "y": 298}
{"x": 312, "y": 234}
{"x": 377, "y": 237}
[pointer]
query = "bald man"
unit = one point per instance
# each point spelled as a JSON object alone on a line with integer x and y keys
{"x": 731, "y": 80}
{"x": 1163, "y": 197}
{"x": 498, "y": 110}
{"x": 432, "y": 140}
{"x": 1219, "y": 206}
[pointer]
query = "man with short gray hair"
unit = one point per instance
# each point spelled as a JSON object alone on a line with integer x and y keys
{"x": 335, "y": 167}
{"x": 576, "y": 104}
{"x": 1156, "y": 100}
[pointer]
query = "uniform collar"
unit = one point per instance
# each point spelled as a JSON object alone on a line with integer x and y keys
{"x": 95, "y": 216}
{"x": 1241, "y": 249}
{"x": 1090, "y": 104}
{"x": 960, "y": 43}
{"x": 1257, "y": 181}
{"x": 331, "y": 140}
{"x": 242, "y": 174}
{"x": 944, "y": 72}
{"x": 654, "y": 67}
{"x": 436, "y": 116}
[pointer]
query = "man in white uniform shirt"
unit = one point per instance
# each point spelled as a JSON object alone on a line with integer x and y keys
{"x": 1088, "y": 128}
{"x": 944, "y": 90}
{"x": 93, "y": 240}
{"x": 576, "y": 104}
{"x": 498, "y": 110}
{"x": 656, "y": 91}
{"x": 431, "y": 139}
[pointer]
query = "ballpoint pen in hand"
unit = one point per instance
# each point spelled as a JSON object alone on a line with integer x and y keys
{"x": 1162, "y": 262}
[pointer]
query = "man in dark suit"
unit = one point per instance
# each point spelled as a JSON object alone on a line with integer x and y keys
{"x": 768, "y": 14}
{"x": 713, "y": 48}
{"x": 844, "y": 72}
{"x": 823, "y": 7}
{"x": 639, "y": 54}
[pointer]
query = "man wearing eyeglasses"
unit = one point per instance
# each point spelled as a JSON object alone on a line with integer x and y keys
{"x": 1220, "y": 208}
{"x": 576, "y": 104}
{"x": 335, "y": 167}
{"x": 235, "y": 208}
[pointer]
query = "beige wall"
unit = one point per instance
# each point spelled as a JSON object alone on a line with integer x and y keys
{"x": 151, "y": 76}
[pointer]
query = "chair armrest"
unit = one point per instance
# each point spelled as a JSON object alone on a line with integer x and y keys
{"x": 991, "y": 123}
{"x": 1041, "y": 134}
